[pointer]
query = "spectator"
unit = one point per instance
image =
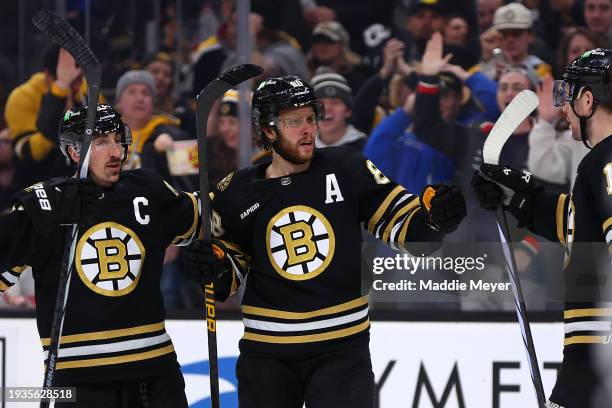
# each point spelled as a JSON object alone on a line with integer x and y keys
{"x": 7, "y": 172}
{"x": 152, "y": 134}
{"x": 424, "y": 17}
{"x": 514, "y": 23}
{"x": 557, "y": 16}
{"x": 208, "y": 56}
{"x": 335, "y": 129}
{"x": 370, "y": 105}
{"x": 223, "y": 146}
{"x": 161, "y": 66}
{"x": 486, "y": 10}
{"x": 456, "y": 31}
{"x": 574, "y": 43}
{"x": 274, "y": 49}
{"x": 330, "y": 48}
{"x": 398, "y": 153}
{"x": 512, "y": 82}
{"x": 488, "y": 65}
{"x": 598, "y": 17}
{"x": 553, "y": 154}
{"x": 32, "y": 112}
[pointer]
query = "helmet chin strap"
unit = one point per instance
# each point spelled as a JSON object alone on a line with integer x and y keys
{"x": 583, "y": 121}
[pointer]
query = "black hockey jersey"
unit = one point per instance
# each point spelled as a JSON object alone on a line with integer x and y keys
{"x": 299, "y": 239}
{"x": 582, "y": 223}
{"x": 114, "y": 321}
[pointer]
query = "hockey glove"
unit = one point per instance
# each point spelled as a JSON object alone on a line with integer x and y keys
{"x": 207, "y": 261}
{"x": 445, "y": 206}
{"x": 59, "y": 201}
{"x": 497, "y": 185}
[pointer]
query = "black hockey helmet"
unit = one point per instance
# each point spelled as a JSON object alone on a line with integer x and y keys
{"x": 108, "y": 120}
{"x": 590, "y": 71}
{"x": 276, "y": 94}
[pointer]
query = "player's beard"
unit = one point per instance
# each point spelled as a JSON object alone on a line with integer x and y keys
{"x": 292, "y": 153}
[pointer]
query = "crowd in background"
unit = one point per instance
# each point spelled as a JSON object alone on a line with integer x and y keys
{"x": 416, "y": 85}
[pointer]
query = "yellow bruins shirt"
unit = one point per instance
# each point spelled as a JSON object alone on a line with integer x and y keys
{"x": 295, "y": 243}
{"x": 114, "y": 321}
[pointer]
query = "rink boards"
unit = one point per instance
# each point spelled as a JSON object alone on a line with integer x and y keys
{"x": 416, "y": 364}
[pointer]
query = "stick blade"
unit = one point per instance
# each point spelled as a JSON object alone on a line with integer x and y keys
{"x": 515, "y": 113}
{"x": 64, "y": 35}
{"x": 241, "y": 73}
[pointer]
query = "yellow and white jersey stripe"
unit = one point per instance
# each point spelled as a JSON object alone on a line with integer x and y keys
{"x": 391, "y": 220}
{"x": 110, "y": 347}
{"x": 278, "y": 326}
{"x": 10, "y": 277}
{"x": 588, "y": 326}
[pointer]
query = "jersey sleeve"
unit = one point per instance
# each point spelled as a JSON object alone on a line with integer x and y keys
{"x": 181, "y": 210}
{"x": 18, "y": 238}
{"x": 10, "y": 277}
{"x": 223, "y": 231}
{"x": 548, "y": 216}
{"x": 389, "y": 212}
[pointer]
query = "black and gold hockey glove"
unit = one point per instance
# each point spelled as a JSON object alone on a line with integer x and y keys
{"x": 497, "y": 185}
{"x": 445, "y": 205}
{"x": 207, "y": 261}
{"x": 59, "y": 201}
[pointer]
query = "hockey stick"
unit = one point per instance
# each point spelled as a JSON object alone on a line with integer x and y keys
{"x": 515, "y": 113}
{"x": 206, "y": 98}
{"x": 64, "y": 35}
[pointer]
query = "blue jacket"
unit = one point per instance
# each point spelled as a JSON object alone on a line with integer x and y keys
{"x": 400, "y": 155}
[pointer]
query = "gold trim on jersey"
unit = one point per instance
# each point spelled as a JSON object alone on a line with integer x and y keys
{"x": 194, "y": 224}
{"x": 593, "y": 312}
{"x": 383, "y": 207}
{"x": 607, "y": 224}
{"x": 304, "y": 240}
{"x": 106, "y": 260}
{"x": 19, "y": 269}
{"x": 401, "y": 238}
{"x": 308, "y": 338}
{"x": 92, "y": 362}
{"x": 260, "y": 311}
{"x": 4, "y": 287}
{"x": 107, "y": 334}
{"x": 411, "y": 205}
{"x": 584, "y": 340}
{"x": 560, "y": 218}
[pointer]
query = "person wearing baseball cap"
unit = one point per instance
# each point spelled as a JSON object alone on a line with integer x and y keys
{"x": 333, "y": 91}
{"x": 330, "y": 48}
{"x": 514, "y": 22}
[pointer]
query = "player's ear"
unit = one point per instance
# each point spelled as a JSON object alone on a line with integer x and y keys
{"x": 73, "y": 154}
{"x": 269, "y": 132}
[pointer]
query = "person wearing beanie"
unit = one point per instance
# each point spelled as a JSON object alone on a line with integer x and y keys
{"x": 334, "y": 92}
{"x": 152, "y": 134}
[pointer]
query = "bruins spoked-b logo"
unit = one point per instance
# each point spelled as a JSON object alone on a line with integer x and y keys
{"x": 109, "y": 259}
{"x": 300, "y": 242}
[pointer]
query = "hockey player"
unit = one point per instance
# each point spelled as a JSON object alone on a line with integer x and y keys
{"x": 584, "y": 216}
{"x": 295, "y": 226}
{"x": 114, "y": 347}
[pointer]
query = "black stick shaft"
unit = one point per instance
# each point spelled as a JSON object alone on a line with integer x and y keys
{"x": 521, "y": 310}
